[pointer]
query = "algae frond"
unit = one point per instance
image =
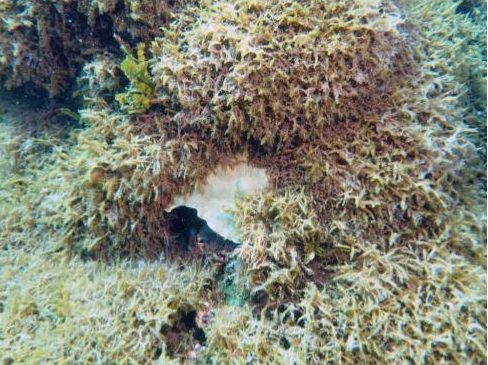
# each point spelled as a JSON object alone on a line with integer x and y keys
{"x": 139, "y": 95}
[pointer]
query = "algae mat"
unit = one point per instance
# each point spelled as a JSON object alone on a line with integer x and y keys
{"x": 366, "y": 244}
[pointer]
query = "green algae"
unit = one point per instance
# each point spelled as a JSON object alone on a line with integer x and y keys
{"x": 139, "y": 95}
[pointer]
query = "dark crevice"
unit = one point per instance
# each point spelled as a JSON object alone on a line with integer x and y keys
{"x": 466, "y": 7}
{"x": 183, "y": 334}
{"x": 60, "y": 43}
{"x": 193, "y": 237}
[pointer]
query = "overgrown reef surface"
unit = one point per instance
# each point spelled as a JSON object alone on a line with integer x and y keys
{"x": 43, "y": 44}
{"x": 369, "y": 247}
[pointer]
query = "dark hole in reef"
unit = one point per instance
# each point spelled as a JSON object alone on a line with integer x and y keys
{"x": 189, "y": 319}
{"x": 72, "y": 41}
{"x": 192, "y": 235}
{"x": 157, "y": 353}
{"x": 184, "y": 333}
{"x": 256, "y": 149}
{"x": 8, "y": 361}
{"x": 36, "y": 108}
{"x": 285, "y": 343}
{"x": 104, "y": 33}
{"x": 28, "y": 93}
{"x": 465, "y": 7}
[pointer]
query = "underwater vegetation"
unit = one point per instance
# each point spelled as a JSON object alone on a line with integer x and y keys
{"x": 45, "y": 43}
{"x": 369, "y": 243}
{"x": 138, "y": 98}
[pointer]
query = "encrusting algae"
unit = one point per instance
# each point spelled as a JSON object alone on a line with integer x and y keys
{"x": 369, "y": 243}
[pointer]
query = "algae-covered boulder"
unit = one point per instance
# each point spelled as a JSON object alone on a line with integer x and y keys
{"x": 342, "y": 140}
{"x": 266, "y": 80}
{"x": 275, "y": 73}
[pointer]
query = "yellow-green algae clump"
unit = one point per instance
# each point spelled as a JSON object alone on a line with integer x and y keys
{"x": 139, "y": 96}
{"x": 369, "y": 247}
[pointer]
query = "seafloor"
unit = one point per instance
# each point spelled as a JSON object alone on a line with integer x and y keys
{"x": 243, "y": 182}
